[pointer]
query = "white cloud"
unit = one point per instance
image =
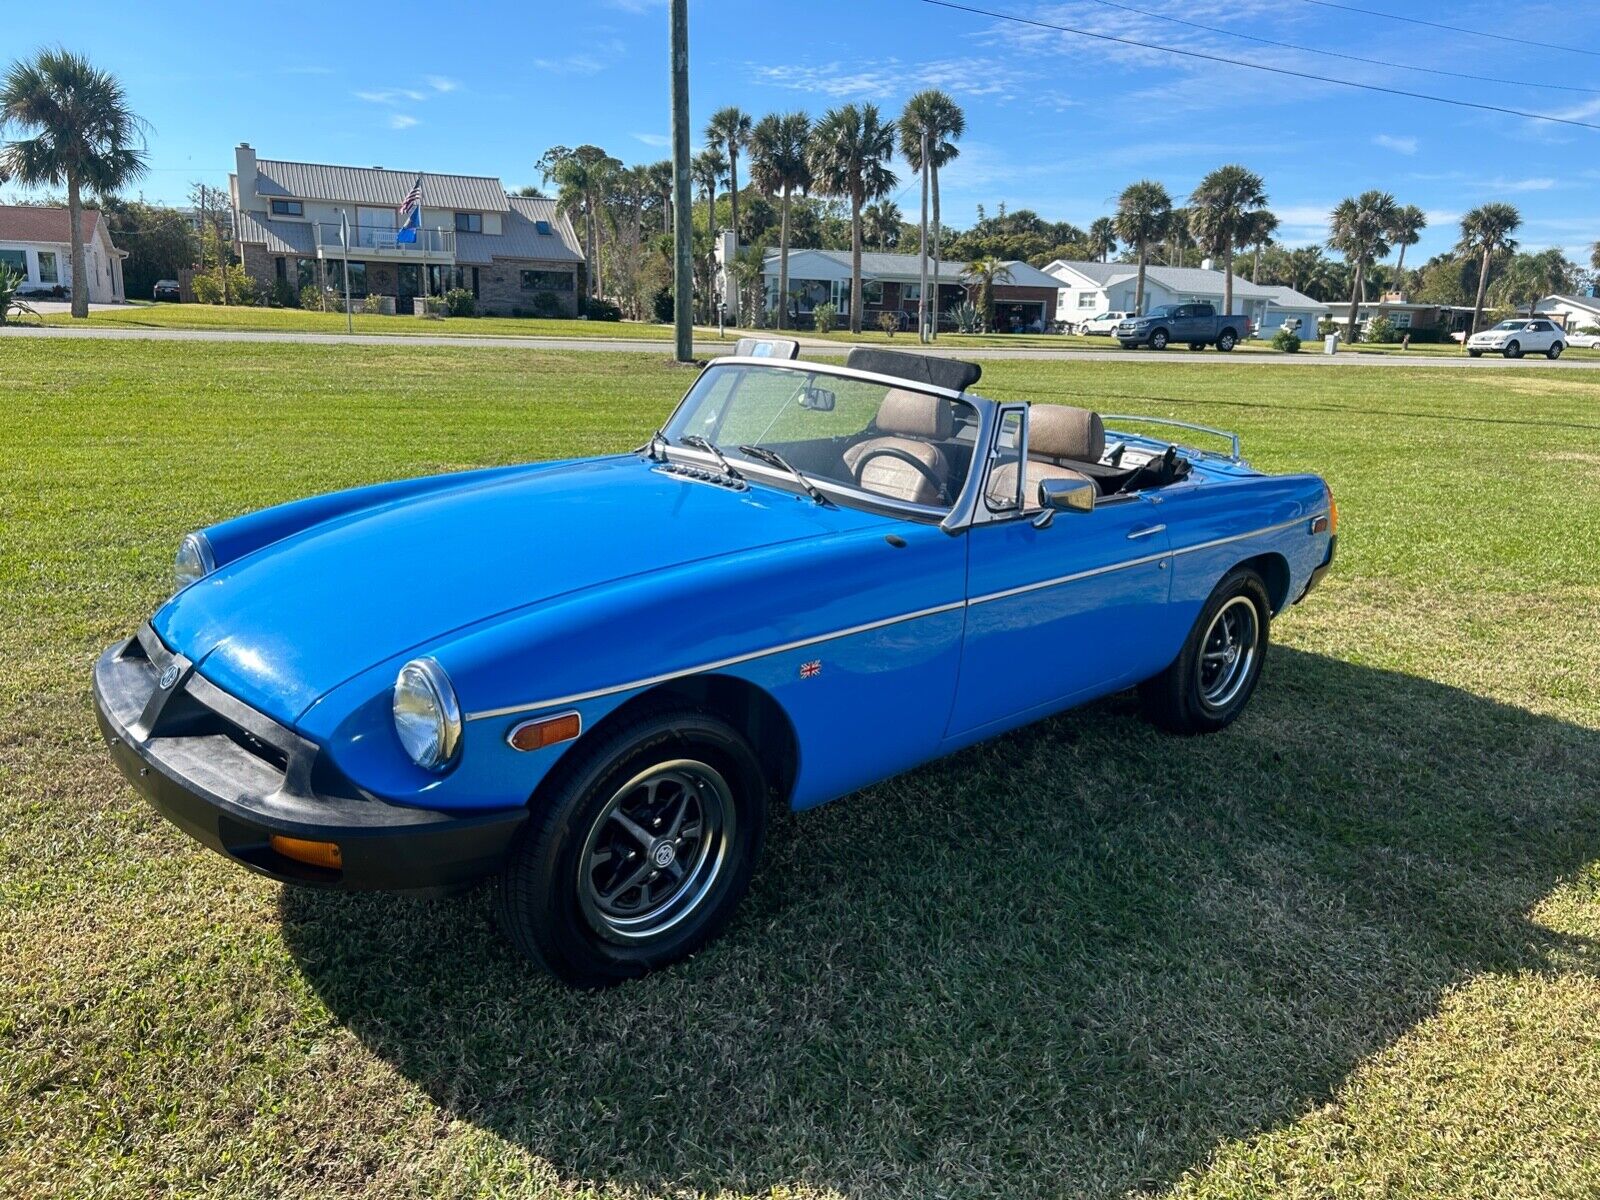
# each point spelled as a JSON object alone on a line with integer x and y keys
{"x": 443, "y": 83}
{"x": 1400, "y": 145}
{"x": 602, "y": 53}
{"x": 653, "y": 139}
{"x": 636, "y": 7}
{"x": 401, "y": 121}
{"x": 889, "y": 80}
{"x": 390, "y": 95}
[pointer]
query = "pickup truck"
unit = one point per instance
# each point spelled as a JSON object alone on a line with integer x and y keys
{"x": 1197, "y": 324}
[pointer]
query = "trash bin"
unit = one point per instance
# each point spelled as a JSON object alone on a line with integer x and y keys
{"x": 1330, "y": 344}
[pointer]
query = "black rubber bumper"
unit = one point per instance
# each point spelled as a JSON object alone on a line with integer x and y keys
{"x": 231, "y": 777}
{"x": 1319, "y": 572}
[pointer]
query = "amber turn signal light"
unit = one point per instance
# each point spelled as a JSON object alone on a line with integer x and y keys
{"x": 316, "y": 854}
{"x": 547, "y": 731}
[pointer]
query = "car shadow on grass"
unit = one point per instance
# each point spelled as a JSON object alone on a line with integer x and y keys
{"x": 1072, "y": 960}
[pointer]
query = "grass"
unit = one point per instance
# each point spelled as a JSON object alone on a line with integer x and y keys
{"x": 1347, "y": 947}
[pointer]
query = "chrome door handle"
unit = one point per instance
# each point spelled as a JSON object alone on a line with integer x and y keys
{"x": 1145, "y": 531}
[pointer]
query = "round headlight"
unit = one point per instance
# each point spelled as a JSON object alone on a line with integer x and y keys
{"x": 193, "y": 561}
{"x": 426, "y": 715}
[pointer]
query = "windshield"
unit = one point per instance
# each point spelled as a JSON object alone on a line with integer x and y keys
{"x": 1509, "y": 325}
{"x": 880, "y": 439}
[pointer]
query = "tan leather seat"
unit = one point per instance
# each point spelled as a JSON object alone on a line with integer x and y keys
{"x": 907, "y": 422}
{"x": 1058, "y": 435}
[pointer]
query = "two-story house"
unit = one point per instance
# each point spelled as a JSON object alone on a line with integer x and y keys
{"x": 311, "y": 224}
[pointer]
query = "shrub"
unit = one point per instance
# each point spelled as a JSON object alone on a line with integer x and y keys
{"x": 599, "y": 309}
{"x": 822, "y": 317}
{"x": 967, "y": 317}
{"x": 311, "y": 298}
{"x": 889, "y": 322}
{"x": 661, "y": 305}
{"x": 1380, "y": 331}
{"x": 1286, "y": 340}
{"x": 460, "y": 302}
{"x": 10, "y": 302}
{"x": 283, "y": 294}
{"x": 435, "y": 307}
{"x": 372, "y": 304}
{"x": 242, "y": 289}
{"x": 1327, "y": 325}
{"x": 545, "y": 304}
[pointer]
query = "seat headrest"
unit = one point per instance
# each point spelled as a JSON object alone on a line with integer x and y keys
{"x": 914, "y": 414}
{"x": 1060, "y": 431}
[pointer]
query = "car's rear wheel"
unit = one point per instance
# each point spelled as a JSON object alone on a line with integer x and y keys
{"x": 1212, "y": 679}
{"x": 1158, "y": 340}
{"x": 1555, "y": 351}
{"x": 640, "y": 850}
{"x": 1227, "y": 341}
{"x": 1513, "y": 350}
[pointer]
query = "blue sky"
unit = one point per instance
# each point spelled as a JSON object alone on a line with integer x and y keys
{"x": 1054, "y": 122}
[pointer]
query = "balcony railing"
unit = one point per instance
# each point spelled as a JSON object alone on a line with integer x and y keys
{"x": 366, "y": 238}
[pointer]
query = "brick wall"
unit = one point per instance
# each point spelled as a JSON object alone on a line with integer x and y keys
{"x": 500, "y": 290}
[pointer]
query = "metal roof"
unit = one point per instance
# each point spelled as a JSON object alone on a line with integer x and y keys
{"x": 279, "y": 237}
{"x": 1193, "y": 280}
{"x": 907, "y": 268}
{"x": 520, "y": 236}
{"x": 377, "y": 186}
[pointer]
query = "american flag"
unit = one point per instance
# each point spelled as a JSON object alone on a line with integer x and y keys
{"x": 810, "y": 670}
{"x": 409, "y": 214}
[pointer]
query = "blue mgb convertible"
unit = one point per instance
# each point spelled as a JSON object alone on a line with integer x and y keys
{"x": 586, "y": 680}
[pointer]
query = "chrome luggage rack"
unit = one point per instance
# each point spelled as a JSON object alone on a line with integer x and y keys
{"x": 1227, "y": 435}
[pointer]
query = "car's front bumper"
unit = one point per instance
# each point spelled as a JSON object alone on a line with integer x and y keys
{"x": 231, "y": 778}
{"x": 1318, "y": 572}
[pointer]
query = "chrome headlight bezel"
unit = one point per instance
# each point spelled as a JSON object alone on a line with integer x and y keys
{"x": 427, "y": 716}
{"x": 193, "y": 561}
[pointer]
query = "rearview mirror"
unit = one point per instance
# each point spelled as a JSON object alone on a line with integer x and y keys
{"x": 818, "y": 399}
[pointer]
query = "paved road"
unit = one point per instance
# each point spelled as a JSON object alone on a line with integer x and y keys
{"x": 1305, "y": 359}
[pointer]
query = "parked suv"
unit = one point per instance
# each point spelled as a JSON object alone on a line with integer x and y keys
{"x": 1522, "y": 335}
{"x": 1102, "y": 324}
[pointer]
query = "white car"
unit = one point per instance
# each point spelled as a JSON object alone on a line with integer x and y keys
{"x": 1588, "y": 340}
{"x": 1522, "y": 335}
{"x": 1102, "y": 324}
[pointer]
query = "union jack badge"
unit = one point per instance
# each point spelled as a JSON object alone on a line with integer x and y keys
{"x": 810, "y": 670}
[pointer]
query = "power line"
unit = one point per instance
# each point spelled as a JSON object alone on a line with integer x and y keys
{"x": 1374, "y": 62}
{"x": 1255, "y": 66}
{"x": 1497, "y": 37}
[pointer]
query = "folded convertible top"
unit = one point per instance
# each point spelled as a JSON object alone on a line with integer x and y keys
{"x": 948, "y": 373}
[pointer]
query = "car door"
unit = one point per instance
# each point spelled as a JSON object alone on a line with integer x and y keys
{"x": 1059, "y": 614}
{"x": 1187, "y": 327}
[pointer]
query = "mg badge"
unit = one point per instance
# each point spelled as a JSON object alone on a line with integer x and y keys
{"x": 169, "y": 676}
{"x": 663, "y": 854}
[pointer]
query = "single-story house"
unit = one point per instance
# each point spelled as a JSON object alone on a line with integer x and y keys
{"x": 1088, "y": 288}
{"x": 36, "y": 243}
{"x": 1408, "y": 314}
{"x": 514, "y": 254}
{"x": 891, "y": 283}
{"x": 1572, "y": 313}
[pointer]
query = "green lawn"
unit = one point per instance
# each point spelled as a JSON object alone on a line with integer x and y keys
{"x": 1346, "y": 948}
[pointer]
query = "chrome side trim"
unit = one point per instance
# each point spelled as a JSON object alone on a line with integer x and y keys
{"x": 719, "y": 664}
{"x": 734, "y": 660}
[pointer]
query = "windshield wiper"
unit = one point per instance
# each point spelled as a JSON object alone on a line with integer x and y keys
{"x": 773, "y": 458}
{"x": 710, "y": 447}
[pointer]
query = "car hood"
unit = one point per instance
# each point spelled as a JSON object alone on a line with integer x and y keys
{"x": 283, "y": 626}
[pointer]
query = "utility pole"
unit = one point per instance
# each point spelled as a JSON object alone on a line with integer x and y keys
{"x": 682, "y": 225}
{"x": 922, "y": 250}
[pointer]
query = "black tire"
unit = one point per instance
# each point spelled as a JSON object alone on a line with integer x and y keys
{"x": 1227, "y": 341}
{"x": 1192, "y": 695}
{"x": 1158, "y": 340}
{"x": 1513, "y": 350}
{"x": 1555, "y": 351}
{"x": 1197, "y": 345}
{"x": 550, "y": 904}
{"x": 1475, "y": 353}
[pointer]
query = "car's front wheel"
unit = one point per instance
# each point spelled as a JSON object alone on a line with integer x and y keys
{"x": 1475, "y": 353}
{"x": 1158, "y": 340}
{"x": 1555, "y": 351}
{"x": 1513, "y": 350}
{"x": 1214, "y": 675}
{"x": 640, "y": 849}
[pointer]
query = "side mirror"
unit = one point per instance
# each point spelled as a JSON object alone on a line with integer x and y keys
{"x": 1063, "y": 495}
{"x": 818, "y": 399}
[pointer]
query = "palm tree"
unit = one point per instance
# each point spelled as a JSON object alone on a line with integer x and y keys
{"x": 661, "y": 181}
{"x": 1177, "y": 236}
{"x": 1103, "y": 238}
{"x": 1310, "y": 271}
{"x": 849, "y": 156}
{"x": 1359, "y": 228}
{"x": 1262, "y": 228}
{"x": 1529, "y": 277}
{"x": 729, "y": 129}
{"x": 1486, "y": 231}
{"x": 936, "y": 114}
{"x": 1409, "y": 222}
{"x": 1594, "y": 256}
{"x": 584, "y": 175}
{"x": 710, "y": 168}
{"x": 986, "y": 271}
{"x": 778, "y": 167}
{"x": 80, "y": 133}
{"x": 1223, "y": 215}
{"x": 882, "y": 222}
{"x": 1144, "y": 214}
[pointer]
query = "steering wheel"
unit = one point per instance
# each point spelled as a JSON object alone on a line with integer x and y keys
{"x": 910, "y": 460}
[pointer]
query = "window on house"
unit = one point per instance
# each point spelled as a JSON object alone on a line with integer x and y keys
{"x": 872, "y": 291}
{"x": 48, "y": 272}
{"x": 543, "y": 227}
{"x": 305, "y": 272}
{"x": 911, "y": 293}
{"x": 1088, "y": 299}
{"x": 358, "y": 279}
{"x": 547, "y": 281}
{"x": 280, "y": 267}
{"x": 288, "y": 208}
{"x": 469, "y": 222}
{"x": 14, "y": 260}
